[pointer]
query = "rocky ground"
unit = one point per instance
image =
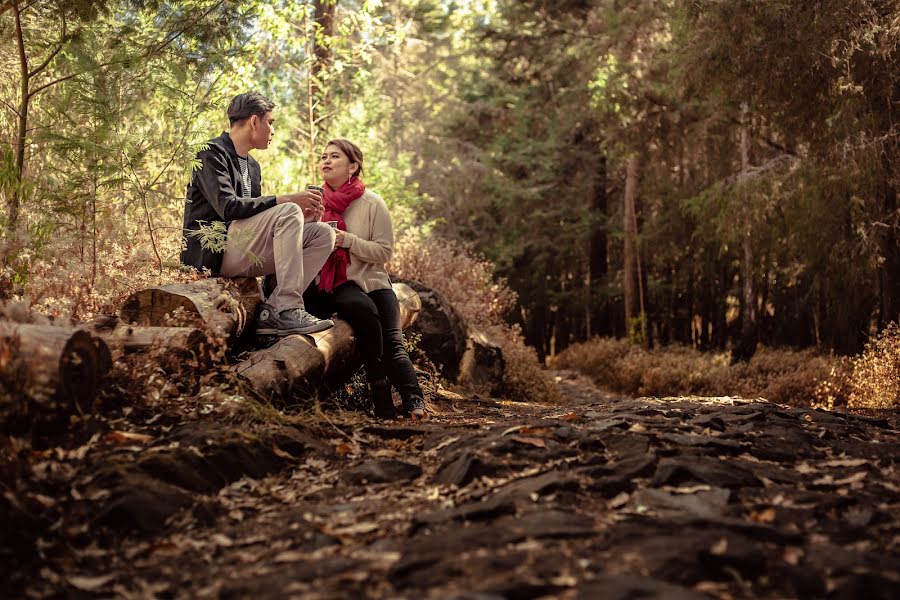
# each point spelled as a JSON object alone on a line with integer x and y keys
{"x": 605, "y": 497}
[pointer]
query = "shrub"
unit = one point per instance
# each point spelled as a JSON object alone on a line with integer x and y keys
{"x": 467, "y": 282}
{"x": 875, "y": 381}
{"x": 779, "y": 375}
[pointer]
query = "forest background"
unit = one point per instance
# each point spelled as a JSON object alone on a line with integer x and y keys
{"x": 714, "y": 174}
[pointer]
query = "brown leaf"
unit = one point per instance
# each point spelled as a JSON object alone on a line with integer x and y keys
{"x": 343, "y": 449}
{"x": 534, "y": 431}
{"x": 281, "y": 453}
{"x": 792, "y": 555}
{"x": 89, "y": 584}
{"x": 719, "y": 548}
{"x": 125, "y": 438}
{"x": 846, "y": 462}
{"x": 531, "y": 441}
{"x": 764, "y": 516}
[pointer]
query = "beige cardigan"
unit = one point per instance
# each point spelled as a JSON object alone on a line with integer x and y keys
{"x": 370, "y": 238}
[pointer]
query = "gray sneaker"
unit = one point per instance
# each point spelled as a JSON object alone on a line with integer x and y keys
{"x": 292, "y": 320}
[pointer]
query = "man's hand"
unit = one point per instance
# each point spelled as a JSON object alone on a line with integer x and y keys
{"x": 309, "y": 200}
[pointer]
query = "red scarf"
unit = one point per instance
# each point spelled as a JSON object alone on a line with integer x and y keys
{"x": 334, "y": 273}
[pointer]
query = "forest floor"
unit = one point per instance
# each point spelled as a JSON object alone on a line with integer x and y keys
{"x": 603, "y": 497}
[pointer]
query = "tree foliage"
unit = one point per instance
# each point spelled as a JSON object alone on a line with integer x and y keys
{"x": 505, "y": 125}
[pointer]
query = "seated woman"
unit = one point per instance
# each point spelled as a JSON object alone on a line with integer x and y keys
{"x": 354, "y": 282}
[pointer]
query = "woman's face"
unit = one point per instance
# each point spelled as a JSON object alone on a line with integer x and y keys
{"x": 336, "y": 167}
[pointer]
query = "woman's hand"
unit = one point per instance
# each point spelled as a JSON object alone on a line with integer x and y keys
{"x": 338, "y": 238}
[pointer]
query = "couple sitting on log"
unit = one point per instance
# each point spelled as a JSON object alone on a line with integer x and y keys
{"x": 288, "y": 239}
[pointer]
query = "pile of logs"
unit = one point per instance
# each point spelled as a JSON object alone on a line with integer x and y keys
{"x": 60, "y": 368}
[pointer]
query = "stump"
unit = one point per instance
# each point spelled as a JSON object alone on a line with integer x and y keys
{"x": 482, "y": 365}
{"x": 223, "y": 305}
{"x": 298, "y": 365}
{"x": 52, "y": 365}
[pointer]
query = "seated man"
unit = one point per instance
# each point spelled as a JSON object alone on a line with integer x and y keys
{"x": 266, "y": 235}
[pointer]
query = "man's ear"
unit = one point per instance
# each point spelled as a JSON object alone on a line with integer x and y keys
{"x": 254, "y": 121}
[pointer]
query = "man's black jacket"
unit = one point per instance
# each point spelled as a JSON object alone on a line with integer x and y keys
{"x": 215, "y": 194}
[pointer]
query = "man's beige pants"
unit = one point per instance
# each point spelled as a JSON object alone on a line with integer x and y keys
{"x": 277, "y": 241}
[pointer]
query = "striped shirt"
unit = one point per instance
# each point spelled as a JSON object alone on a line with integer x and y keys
{"x": 245, "y": 176}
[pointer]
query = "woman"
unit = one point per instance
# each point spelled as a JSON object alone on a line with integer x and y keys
{"x": 354, "y": 282}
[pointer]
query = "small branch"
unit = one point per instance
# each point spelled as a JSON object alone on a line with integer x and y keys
{"x": 177, "y": 34}
{"x": 40, "y": 89}
{"x": 57, "y": 50}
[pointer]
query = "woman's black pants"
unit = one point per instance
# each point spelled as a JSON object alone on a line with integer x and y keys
{"x": 375, "y": 319}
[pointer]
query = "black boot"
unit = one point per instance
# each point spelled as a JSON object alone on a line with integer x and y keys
{"x": 382, "y": 400}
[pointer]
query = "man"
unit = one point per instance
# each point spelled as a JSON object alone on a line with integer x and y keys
{"x": 280, "y": 236}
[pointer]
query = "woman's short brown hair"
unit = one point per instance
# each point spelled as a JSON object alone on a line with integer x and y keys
{"x": 352, "y": 152}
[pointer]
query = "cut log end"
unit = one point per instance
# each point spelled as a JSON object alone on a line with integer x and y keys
{"x": 80, "y": 369}
{"x": 53, "y": 365}
{"x": 224, "y": 306}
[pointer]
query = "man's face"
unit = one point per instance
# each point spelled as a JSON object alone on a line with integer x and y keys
{"x": 262, "y": 130}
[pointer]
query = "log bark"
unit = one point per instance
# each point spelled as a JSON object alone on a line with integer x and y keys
{"x": 297, "y": 366}
{"x": 122, "y": 338}
{"x": 59, "y": 368}
{"x": 224, "y": 306}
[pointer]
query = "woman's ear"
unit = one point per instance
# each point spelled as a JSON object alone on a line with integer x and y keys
{"x": 354, "y": 168}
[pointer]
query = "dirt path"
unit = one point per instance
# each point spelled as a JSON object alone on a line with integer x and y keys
{"x": 607, "y": 497}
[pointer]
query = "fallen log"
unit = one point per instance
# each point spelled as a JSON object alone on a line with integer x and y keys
{"x": 52, "y": 365}
{"x": 225, "y": 306}
{"x": 122, "y": 338}
{"x": 299, "y": 365}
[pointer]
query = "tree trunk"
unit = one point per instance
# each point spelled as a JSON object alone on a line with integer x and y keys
{"x": 746, "y": 346}
{"x": 324, "y": 11}
{"x": 22, "y": 122}
{"x": 598, "y": 267}
{"x": 58, "y": 368}
{"x": 224, "y": 306}
{"x": 297, "y": 366}
{"x": 629, "y": 225}
{"x": 889, "y": 269}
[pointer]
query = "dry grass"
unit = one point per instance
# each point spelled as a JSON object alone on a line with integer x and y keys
{"x": 799, "y": 377}
{"x": 870, "y": 380}
{"x": 62, "y": 282}
{"x": 778, "y": 375}
{"x": 468, "y": 283}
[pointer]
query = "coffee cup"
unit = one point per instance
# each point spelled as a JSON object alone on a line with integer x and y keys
{"x": 318, "y": 188}
{"x": 332, "y": 224}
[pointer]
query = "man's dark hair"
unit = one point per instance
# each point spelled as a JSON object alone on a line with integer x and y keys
{"x": 243, "y": 106}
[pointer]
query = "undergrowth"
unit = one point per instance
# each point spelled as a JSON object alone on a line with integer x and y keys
{"x": 798, "y": 377}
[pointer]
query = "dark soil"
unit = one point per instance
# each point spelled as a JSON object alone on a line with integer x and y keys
{"x": 605, "y": 497}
